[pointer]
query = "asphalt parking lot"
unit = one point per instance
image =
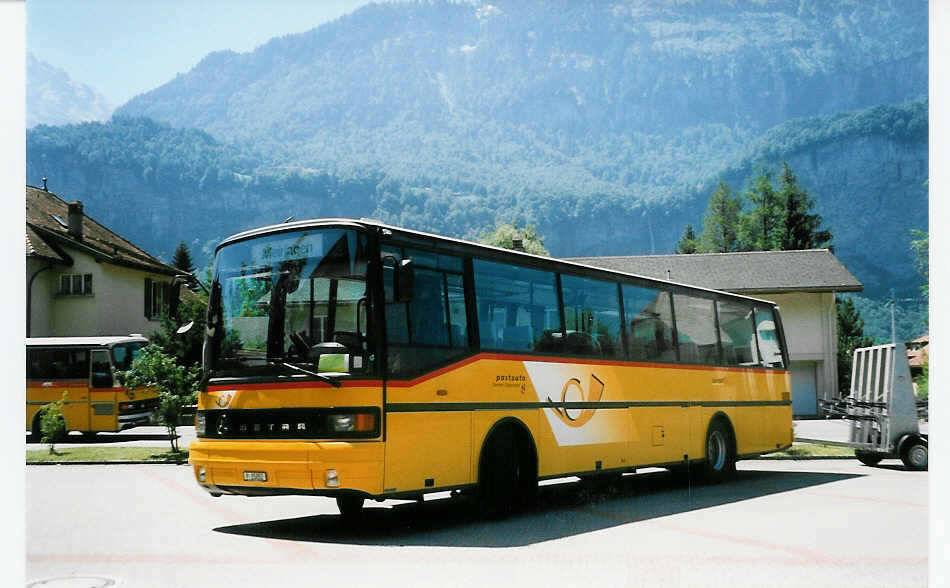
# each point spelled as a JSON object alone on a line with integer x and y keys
{"x": 779, "y": 523}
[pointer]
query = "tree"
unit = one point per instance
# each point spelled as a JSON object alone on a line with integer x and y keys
{"x": 763, "y": 227}
{"x": 801, "y": 226}
{"x": 177, "y": 386}
{"x": 850, "y": 337}
{"x": 505, "y": 234}
{"x": 920, "y": 246}
{"x": 185, "y": 347}
{"x": 721, "y": 221}
{"x": 182, "y": 259}
{"x": 688, "y": 243}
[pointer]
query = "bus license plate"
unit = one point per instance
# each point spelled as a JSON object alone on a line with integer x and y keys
{"x": 255, "y": 476}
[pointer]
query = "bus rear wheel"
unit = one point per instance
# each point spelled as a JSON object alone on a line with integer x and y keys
{"x": 720, "y": 462}
{"x": 350, "y": 506}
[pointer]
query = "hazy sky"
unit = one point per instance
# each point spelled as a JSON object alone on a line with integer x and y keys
{"x": 125, "y": 47}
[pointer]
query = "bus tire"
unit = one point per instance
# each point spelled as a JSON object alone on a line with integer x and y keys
{"x": 720, "y": 458}
{"x": 36, "y": 433}
{"x": 507, "y": 472}
{"x": 350, "y": 505}
{"x": 868, "y": 458}
{"x": 914, "y": 455}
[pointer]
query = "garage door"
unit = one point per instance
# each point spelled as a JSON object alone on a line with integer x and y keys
{"x": 804, "y": 388}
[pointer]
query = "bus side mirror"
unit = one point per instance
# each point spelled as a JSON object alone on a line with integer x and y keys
{"x": 405, "y": 281}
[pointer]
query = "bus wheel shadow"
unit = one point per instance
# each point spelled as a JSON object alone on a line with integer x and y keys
{"x": 563, "y": 510}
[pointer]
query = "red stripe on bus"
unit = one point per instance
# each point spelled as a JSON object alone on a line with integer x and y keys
{"x": 285, "y": 385}
{"x": 55, "y": 383}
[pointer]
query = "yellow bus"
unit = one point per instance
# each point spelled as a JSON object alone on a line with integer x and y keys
{"x": 356, "y": 360}
{"x": 84, "y": 368}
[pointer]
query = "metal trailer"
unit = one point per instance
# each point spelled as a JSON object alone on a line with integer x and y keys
{"x": 882, "y": 409}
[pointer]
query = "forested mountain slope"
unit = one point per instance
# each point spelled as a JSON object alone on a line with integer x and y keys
{"x": 605, "y": 124}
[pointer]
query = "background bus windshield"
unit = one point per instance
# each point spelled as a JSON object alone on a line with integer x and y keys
{"x": 275, "y": 297}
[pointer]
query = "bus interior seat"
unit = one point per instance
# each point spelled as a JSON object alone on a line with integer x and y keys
{"x": 517, "y": 337}
{"x": 689, "y": 353}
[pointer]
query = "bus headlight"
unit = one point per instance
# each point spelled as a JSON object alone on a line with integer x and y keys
{"x": 352, "y": 423}
{"x": 200, "y": 423}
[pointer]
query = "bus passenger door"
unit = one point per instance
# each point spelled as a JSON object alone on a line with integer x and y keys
{"x": 102, "y": 401}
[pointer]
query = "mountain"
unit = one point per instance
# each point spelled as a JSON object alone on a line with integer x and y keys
{"x": 53, "y": 98}
{"x": 604, "y": 124}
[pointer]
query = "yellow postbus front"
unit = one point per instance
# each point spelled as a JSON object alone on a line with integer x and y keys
{"x": 294, "y": 398}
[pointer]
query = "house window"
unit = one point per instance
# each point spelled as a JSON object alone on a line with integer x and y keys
{"x": 157, "y": 295}
{"x": 75, "y": 284}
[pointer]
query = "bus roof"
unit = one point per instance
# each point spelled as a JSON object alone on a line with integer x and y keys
{"x": 364, "y": 223}
{"x": 83, "y": 341}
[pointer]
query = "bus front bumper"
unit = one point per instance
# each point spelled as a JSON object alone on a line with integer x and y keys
{"x": 260, "y": 468}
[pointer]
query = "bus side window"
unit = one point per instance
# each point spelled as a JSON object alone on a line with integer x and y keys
{"x": 100, "y": 371}
{"x": 517, "y": 307}
{"x": 737, "y": 333}
{"x": 592, "y": 317}
{"x": 649, "y": 324}
{"x": 770, "y": 349}
{"x": 696, "y": 329}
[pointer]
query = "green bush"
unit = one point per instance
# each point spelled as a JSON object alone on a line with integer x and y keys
{"x": 177, "y": 385}
{"x": 52, "y": 422}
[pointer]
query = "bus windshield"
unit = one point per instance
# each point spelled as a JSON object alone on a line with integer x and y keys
{"x": 292, "y": 303}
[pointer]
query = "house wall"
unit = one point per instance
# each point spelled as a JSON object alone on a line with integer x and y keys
{"x": 811, "y": 334}
{"x": 40, "y": 294}
{"x": 115, "y": 307}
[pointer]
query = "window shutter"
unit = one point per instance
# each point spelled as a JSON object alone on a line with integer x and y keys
{"x": 148, "y": 298}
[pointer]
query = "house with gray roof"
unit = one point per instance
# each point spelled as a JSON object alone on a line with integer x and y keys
{"x": 802, "y": 283}
{"x": 84, "y": 279}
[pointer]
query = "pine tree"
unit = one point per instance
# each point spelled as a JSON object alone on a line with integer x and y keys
{"x": 688, "y": 243}
{"x": 850, "y": 337}
{"x": 182, "y": 259}
{"x": 801, "y": 227}
{"x": 721, "y": 221}
{"x": 762, "y": 229}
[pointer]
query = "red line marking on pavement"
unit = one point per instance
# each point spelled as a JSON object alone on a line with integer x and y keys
{"x": 291, "y": 548}
{"x": 866, "y": 499}
{"x": 809, "y": 554}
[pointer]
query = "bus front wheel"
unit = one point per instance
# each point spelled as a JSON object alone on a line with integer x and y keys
{"x": 508, "y": 473}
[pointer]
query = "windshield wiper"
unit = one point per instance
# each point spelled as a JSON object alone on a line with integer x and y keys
{"x": 332, "y": 381}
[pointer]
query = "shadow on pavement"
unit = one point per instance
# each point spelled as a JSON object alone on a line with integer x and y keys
{"x": 103, "y": 438}
{"x": 563, "y": 510}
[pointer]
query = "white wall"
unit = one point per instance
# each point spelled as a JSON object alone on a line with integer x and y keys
{"x": 811, "y": 335}
{"x": 116, "y": 306}
{"x": 40, "y": 295}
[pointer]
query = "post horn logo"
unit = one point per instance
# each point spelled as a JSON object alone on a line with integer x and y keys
{"x": 223, "y": 399}
{"x": 578, "y": 416}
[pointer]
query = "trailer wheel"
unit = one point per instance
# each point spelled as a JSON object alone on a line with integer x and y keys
{"x": 868, "y": 458}
{"x": 914, "y": 455}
